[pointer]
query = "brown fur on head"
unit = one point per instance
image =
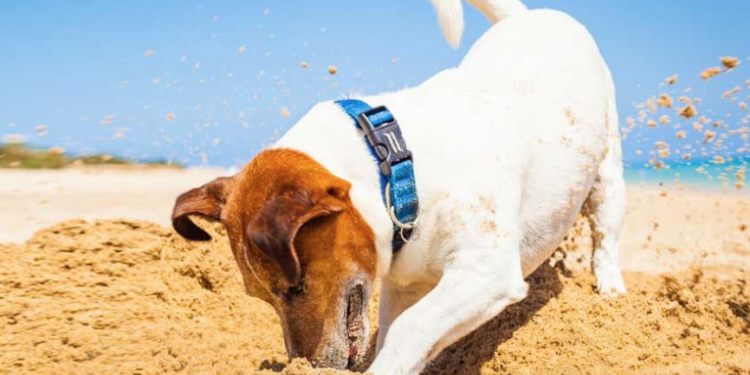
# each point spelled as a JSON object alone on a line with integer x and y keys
{"x": 300, "y": 245}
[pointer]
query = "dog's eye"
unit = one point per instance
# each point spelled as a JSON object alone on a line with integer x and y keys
{"x": 296, "y": 290}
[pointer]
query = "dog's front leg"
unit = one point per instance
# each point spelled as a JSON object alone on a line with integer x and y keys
{"x": 479, "y": 281}
{"x": 394, "y": 300}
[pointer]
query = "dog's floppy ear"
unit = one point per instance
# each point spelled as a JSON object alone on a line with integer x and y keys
{"x": 207, "y": 201}
{"x": 275, "y": 227}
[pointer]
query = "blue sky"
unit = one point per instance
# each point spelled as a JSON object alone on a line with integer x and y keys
{"x": 69, "y": 65}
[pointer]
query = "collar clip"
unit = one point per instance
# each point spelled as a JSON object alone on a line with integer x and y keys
{"x": 386, "y": 139}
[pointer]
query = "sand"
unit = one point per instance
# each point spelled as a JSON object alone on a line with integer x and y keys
{"x": 128, "y": 297}
{"x": 131, "y": 297}
{"x": 35, "y": 199}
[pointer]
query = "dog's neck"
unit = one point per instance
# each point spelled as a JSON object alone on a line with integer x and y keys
{"x": 330, "y": 137}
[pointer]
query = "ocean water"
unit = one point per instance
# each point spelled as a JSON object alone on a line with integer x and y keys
{"x": 699, "y": 174}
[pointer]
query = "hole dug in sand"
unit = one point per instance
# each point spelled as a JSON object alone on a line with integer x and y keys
{"x": 131, "y": 297}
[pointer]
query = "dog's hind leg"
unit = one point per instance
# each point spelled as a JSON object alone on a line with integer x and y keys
{"x": 605, "y": 209}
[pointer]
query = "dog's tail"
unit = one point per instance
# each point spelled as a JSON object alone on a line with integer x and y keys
{"x": 451, "y": 17}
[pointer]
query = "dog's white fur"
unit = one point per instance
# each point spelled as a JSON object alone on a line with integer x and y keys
{"x": 451, "y": 16}
{"x": 507, "y": 149}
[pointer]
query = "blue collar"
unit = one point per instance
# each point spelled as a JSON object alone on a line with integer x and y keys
{"x": 397, "y": 183}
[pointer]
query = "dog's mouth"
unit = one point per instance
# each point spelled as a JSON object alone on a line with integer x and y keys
{"x": 355, "y": 326}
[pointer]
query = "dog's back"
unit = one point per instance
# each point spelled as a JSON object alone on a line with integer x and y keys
{"x": 532, "y": 93}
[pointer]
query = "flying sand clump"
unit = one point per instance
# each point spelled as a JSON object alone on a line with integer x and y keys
{"x": 664, "y": 100}
{"x": 730, "y": 62}
{"x": 688, "y": 111}
{"x": 719, "y": 141}
{"x": 108, "y": 120}
{"x": 731, "y": 92}
{"x": 710, "y": 73}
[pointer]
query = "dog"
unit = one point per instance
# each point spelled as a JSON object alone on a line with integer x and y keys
{"x": 507, "y": 149}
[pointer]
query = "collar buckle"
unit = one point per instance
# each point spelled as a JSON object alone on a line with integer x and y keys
{"x": 397, "y": 180}
{"x": 386, "y": 138}
{"x": 409, "y": 232}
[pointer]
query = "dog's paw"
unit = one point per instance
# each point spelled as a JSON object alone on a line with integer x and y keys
{"x": 611, "y": 286}
{"x": 395, "y": 365}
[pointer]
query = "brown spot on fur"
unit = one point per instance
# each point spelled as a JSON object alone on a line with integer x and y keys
{"x": 488, "y": 226}
{"x": 572, "y": 119}
{"x": 487, "y": 202}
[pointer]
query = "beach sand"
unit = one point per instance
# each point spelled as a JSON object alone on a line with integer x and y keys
{"x": 35, "y": 199}
{"x": 127, "y": 295}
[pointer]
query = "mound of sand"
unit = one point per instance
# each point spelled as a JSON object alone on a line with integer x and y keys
{"x": 131, "y": 297}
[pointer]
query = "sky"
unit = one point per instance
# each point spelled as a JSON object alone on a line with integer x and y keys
{"x": 209, "y": 82}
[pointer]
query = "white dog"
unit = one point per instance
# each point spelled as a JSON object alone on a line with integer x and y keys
{"x": 507, "y": 148}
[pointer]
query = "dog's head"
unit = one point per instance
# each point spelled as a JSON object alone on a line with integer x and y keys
{"x": 300, "y": 245}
